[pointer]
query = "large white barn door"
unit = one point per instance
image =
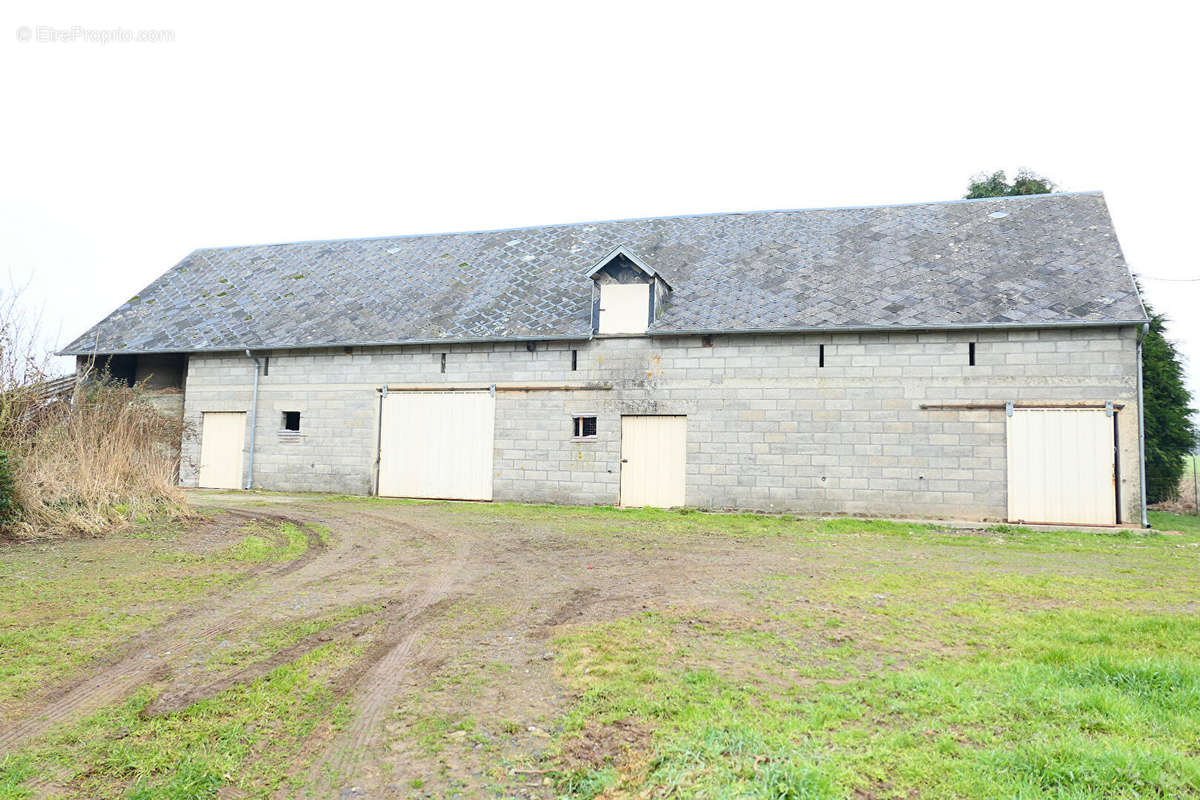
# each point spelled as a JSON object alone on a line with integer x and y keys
{"x": 1061, "y": 466}
{"x": 437, "y": 444}
{"x": 653, "y": 461}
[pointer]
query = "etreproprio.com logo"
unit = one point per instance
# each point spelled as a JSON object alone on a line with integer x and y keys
{"x": 51, "y": 34}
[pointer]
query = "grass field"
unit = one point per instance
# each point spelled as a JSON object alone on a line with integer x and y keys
{"x": 992, "y": 686}
{"x": 437, "y": 650}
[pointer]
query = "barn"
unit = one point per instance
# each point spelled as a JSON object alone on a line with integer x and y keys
{"x": 969, "y": 359}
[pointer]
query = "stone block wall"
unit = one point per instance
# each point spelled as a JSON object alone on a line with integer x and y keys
{"x": 768, "y": 428}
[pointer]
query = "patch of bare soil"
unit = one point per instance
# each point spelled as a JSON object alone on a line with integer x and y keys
{"x": 207, "y": 535}
{"x": 487, "y": 660}
{"x": 606, "y": 745}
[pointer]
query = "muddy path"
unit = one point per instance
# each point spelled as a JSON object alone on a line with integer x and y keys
{"x": 461, "y": 594}
{"x": 501, "y": 592}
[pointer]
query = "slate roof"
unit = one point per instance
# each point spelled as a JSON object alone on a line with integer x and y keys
{"x": 1048, "y": 259}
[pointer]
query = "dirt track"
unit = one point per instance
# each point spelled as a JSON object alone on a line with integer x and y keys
{"x": 460, "y": 589}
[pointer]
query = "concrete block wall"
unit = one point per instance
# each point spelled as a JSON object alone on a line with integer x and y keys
{"x": 768, "y": 428}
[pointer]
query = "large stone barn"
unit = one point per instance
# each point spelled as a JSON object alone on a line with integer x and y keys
{"x": 972, "y": 360}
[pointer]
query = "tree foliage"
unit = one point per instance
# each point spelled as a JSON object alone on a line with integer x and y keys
{"x": 997, "y": 185}
{"x": 1170, "y": 432}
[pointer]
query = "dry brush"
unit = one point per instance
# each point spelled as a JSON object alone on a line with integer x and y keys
{"x": 78, "y": 457}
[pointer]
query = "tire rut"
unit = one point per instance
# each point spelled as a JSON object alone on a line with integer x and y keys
{"x": 377, "y": 678}
{"x": 178, "y": 698}
{"x": 140, "y": 660}
{"x": 315, "y": 545}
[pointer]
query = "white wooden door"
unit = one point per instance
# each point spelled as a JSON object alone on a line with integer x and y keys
{"x": 437, "y": 444}
{"x": 653, "y": 461}
{"x": 1061, "y": 466}
{"x": 222, "y": 441}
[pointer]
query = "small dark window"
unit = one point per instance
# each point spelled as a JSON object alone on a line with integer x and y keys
{"x": 291, "y": 421}
{"x": 971, "y": 353}
{"x": 820, "y": 355}
{"x": 266, "y": 366}
{"x": 706, "y": 341}
{"x": 531, "y": 347}
{"x": 574, "y": 360}
{"x": 585, "y": 427}
{"x": 443, "y": 362}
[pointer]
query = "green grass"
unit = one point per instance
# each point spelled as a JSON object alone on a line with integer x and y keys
{"x": 284, "y": 543}
{"x": 259, "y": 645}
{"x": 1065, "y": 718}
{"x": 64, "y": 604}
{"x": 250, "y": 737}
{"x": 611, "y": 519}
{"x": 1020, "y": 673}
{"x": 869, "y": 659}
{"x": 1184, "y": 523}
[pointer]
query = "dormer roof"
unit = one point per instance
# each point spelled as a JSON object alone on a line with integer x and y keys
{"x": 628, "y": 253}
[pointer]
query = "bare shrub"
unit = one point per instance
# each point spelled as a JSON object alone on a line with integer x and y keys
{"x": 1185, "y": 500}
{"x": 101, "y": 460}
{"x": 22, "y": 358}
{"x": 84, "y": 460}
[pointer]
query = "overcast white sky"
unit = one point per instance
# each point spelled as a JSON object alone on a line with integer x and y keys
{"x": 263, "y": 123}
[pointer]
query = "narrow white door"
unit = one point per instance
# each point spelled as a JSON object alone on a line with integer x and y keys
{"x": 1061, "y": 466}
{"x": 437, "y": 444}
{"x": 222, "y": 441}
{"x": 653, "y": 461}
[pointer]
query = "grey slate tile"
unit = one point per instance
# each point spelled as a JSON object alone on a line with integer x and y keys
{"x": 1022, "y": 261}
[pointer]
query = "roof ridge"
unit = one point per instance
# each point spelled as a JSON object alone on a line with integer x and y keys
{"x": 1014, "y": 260}
{"x": 708, "y": 215}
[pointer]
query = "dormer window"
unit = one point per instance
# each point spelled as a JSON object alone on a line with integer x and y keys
{"x": 628, "y": 294}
